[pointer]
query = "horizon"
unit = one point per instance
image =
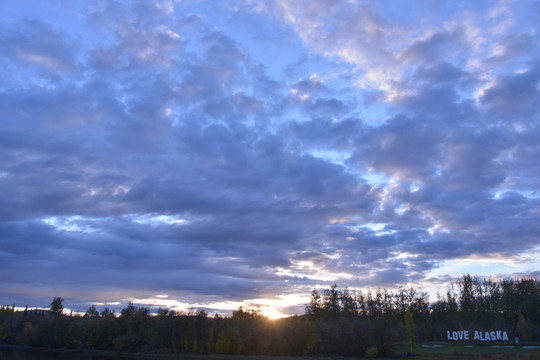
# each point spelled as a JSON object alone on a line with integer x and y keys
{"x": 268, "y": 312}
{"x": 212, "y": 155}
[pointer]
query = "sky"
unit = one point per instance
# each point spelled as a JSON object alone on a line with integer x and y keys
{"x": 216, "y": 154}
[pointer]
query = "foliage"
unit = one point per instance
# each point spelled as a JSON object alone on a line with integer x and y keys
{"x": 56, "y": 306}
{"x": 92, "y": 312}
{"x": 337, "y": 322}
{"x": 410, "y": 327}
{"x": 371, "y": 352}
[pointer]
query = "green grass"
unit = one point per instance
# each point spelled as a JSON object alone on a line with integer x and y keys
{"x": 467, "y": 351}
{"x": 446, "y": 352}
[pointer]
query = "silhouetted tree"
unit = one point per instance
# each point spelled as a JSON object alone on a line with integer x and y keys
{"x": 315, "y": 306}
{"x": 331, "y": 301}
{"x": 56, "y": 306}
{"x": 342, "y": 322}
{"x": 92, "y": 312}
{"x": 107, "y": 313}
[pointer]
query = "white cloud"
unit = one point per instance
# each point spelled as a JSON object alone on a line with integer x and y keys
{"x": 200, "y": 155}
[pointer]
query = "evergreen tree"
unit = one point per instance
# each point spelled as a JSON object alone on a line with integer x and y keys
{"x": 56, "y": 306}
{"x": 92, "y": 312}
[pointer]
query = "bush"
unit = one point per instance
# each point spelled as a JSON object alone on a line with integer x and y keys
{"x": 371, "y": 352}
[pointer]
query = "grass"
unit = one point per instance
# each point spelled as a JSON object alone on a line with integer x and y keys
{"x": 446, "y": 352}
{"x": 424, "y": 351}
{"x": 468, "y": 351}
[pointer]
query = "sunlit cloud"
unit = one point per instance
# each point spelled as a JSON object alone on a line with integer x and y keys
{"x": 188, "y": 155}
{"x": 154, "y": 220}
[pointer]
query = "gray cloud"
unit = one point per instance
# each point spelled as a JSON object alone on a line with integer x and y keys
{"x": 37, "y": 44}
{"x": 516, "y": 94}
{"x": 434, "y": 47}
{"x": 165, "y": 155}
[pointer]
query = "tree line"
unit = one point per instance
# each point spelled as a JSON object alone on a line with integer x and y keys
{"x": 336, "y": 321}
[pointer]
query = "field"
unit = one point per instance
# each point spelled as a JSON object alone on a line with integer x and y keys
{"x": 463, "y": 351}
{"x": 441, "y": 351}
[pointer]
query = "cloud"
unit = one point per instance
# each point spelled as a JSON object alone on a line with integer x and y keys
{"x": 38, "y": 45}
{"x": 154, "y": 148}
{"x": 515, "y": 94}
{"x": 434, "y": 47}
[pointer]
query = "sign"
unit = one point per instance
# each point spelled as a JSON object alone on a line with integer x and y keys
{"x": 497, "y": 335}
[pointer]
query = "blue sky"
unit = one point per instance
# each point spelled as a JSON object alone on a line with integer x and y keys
{"x": 213, "y": 154}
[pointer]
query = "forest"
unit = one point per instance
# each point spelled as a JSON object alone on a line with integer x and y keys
{"x": 336, "y": 322}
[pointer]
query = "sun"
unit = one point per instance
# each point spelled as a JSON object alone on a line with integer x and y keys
{"x": 272, "y": 313}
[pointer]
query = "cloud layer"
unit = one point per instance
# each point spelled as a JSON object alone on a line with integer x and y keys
{"x": 206, "y": 153}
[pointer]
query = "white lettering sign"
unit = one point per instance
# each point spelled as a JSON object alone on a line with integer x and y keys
{"x": 497, "y": 335}
{"x": 458, "y": 335}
